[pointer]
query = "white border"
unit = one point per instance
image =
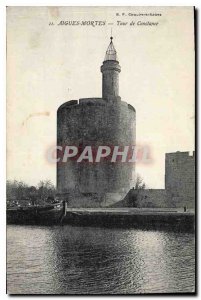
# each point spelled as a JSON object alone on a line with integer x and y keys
{"x": 3, "y": 4}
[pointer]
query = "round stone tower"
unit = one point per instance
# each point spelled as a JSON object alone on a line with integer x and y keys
{"x": 94, "y": 122}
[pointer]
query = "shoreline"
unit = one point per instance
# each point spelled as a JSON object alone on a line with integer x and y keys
{"x": 109, "y": 217}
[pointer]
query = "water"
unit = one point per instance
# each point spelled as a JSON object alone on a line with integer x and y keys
{"x": 75, "y": 260}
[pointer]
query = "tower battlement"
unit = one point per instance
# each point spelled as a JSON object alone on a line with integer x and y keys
{"x": 179, "y": 154}
{"x": 93, "y": 101}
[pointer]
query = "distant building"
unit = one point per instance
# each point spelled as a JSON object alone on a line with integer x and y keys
{"x": 179, "y": 186}
{"x": 180, "y": 178}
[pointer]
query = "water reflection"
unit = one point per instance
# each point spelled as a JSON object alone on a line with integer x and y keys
{"x": 87, "y": 260}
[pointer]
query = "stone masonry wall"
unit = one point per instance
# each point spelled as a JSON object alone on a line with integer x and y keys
{"x": 180, "y": 179}
{"x": 95, "y": 122}
{"x": 156, "y": 198}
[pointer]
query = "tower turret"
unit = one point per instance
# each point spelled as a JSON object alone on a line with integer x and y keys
{"x": 110, "y": 70}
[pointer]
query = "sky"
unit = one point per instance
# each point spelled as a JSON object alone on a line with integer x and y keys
{"x": 51, "y": 64}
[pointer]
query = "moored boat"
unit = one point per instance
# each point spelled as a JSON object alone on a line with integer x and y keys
{"x": 35, "y": 215}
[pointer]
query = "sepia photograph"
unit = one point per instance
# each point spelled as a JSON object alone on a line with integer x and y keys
{"x": 100, "y": 184}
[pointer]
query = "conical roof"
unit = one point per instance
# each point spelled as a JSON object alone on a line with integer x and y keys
{"x": 111, "y": 53}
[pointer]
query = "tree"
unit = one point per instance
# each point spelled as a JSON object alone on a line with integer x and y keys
{"x": 19, "y": 190}
{"x": 46, "y": 190}
{"x": 33, "y": 194}
{"x": 16, "y": 189}
{"x": 139, "y": 183}
{"x": 134, "y": 196}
